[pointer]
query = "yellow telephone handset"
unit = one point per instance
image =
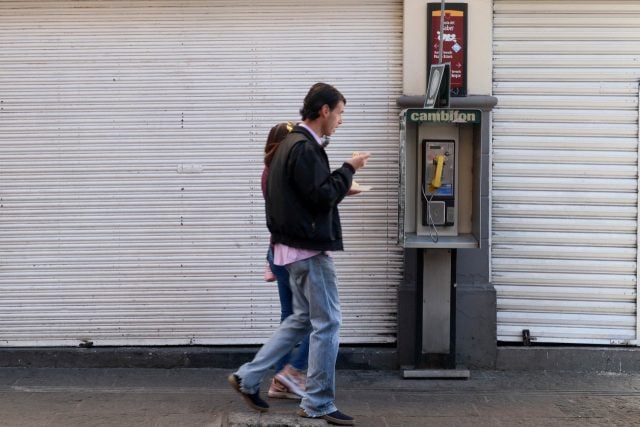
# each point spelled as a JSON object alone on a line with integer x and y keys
{"x": 436, "y": 182}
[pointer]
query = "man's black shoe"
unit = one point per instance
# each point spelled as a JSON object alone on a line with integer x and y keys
{"x": 336, "y": 417}
{"x": 253, "y": 400}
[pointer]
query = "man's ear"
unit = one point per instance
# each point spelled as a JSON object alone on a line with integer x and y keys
{"x": 325, "y": 110}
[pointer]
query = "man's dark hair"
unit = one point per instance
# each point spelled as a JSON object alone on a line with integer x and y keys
{"x": 319, "y": 95}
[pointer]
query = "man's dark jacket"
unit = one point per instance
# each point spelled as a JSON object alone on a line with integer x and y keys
{"x": 303, "y": 194}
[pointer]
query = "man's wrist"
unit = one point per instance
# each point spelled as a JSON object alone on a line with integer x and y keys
{"x": 348, "y": 165}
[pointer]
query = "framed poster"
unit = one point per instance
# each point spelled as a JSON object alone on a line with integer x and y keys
{"x": 454, "y": 50}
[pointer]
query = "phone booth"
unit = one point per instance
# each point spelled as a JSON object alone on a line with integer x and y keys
{"x": 440, "y": 211}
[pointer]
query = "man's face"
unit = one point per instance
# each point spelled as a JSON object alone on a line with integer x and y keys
{"x": 333, "y": 118}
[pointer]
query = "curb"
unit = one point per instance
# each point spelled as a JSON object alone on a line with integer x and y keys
{"x": 236, "y": 419}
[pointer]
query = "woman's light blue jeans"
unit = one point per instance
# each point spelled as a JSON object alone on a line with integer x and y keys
{"x": 316, "y": 308}
{"x": 298, "y": 358}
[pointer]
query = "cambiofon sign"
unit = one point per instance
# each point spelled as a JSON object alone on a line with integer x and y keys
{"x": 445, "y": 116}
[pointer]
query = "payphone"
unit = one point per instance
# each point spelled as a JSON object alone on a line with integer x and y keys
{"x": 439, "y": 213}
{"x": 438, "y": 182}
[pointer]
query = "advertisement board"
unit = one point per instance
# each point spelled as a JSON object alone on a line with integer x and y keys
{"x": 454, "y": 37}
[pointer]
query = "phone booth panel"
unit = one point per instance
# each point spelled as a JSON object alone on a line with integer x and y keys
{"x": 440, "y": 177}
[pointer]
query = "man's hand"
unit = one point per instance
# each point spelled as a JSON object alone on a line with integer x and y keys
{"x": 358, "y": 160}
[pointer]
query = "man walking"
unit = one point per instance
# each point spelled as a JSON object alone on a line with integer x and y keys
{"x": 302, "y": 215}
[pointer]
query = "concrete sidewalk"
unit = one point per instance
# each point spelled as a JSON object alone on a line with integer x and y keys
{"x": 201, "y": 397}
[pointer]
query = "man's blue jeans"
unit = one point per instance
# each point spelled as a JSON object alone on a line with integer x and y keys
{"x": 297, "y": 359}
{"x": 316, "y": 307}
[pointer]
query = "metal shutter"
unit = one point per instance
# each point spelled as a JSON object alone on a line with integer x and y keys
{"x": 131, "y": 138}
{"x": 565, "y": 170}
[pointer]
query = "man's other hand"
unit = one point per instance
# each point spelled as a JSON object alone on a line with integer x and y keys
{"x": 358, "y": 160}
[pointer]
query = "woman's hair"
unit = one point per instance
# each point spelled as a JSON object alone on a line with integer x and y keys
{"x": 319, "y": 95}
{"x": 276, "y": 135}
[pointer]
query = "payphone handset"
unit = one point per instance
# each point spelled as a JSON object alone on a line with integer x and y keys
{"x": 438, "y": 182}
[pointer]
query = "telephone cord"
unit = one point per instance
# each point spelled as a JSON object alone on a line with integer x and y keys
{"x": 433, "y": 230}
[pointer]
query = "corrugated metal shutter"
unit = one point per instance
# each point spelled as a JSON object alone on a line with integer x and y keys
{"x": 565, "y": 170}
{"x": 131, "y": 138}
